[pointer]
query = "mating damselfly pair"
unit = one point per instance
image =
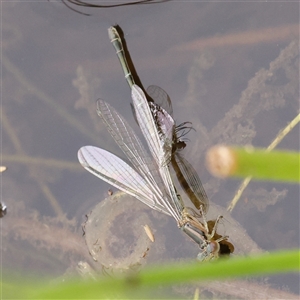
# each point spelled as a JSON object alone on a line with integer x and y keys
{"x": 148, "y": 178}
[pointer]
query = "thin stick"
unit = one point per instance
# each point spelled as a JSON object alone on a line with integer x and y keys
{"x": 282, "y": 133}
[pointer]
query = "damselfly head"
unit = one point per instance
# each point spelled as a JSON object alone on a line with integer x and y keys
{"x": 211, "y": 244}
{"x": 180, "y": 144}
{"x": 181, "y": 130}
{"x": 215, "y": 248}
{"x": 209, "y": 251}
{"x": 225, "y": 248}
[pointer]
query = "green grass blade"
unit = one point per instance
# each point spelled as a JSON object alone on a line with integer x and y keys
{"x": 226, "y": 161}
{"x": 278, "y": 262}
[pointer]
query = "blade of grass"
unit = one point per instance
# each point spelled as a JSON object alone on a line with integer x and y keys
{"x": 277, "y": 262}
{"x": 275, "y": 142}
{"x": 225, "y": 161}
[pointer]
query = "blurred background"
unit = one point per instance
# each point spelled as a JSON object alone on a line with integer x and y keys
{"x": 229, "y": 68}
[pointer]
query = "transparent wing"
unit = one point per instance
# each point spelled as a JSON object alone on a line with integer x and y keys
{"x": 190, "y": 181}
{"x": 161, "y": 98}
{"x": 132, "y": 147}
{"x": 147, "y": 124}
{"x": 156, "y": 124}
{"x": 186, "y": 174}
{"x": 116, "y": 172}
{"x": 151, "y": 133}
{"x": 165, "y": 127}
{"x": 130, "y": 144}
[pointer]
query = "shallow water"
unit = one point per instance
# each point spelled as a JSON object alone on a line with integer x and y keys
{"x": 57, "y": 63}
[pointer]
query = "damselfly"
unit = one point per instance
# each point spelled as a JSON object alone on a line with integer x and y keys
{"x": 151, "y": 129}
{"x": 162, "y": 111}
{"x": 144, "y": 180}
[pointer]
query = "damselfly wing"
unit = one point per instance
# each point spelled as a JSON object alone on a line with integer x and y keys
{"x": 147, "y": 127}
{"x": 140, "y": 180}
{"x": 134, "y": 150}
{"x": 187, "y": 176}
{"x": 170, "y": 134}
